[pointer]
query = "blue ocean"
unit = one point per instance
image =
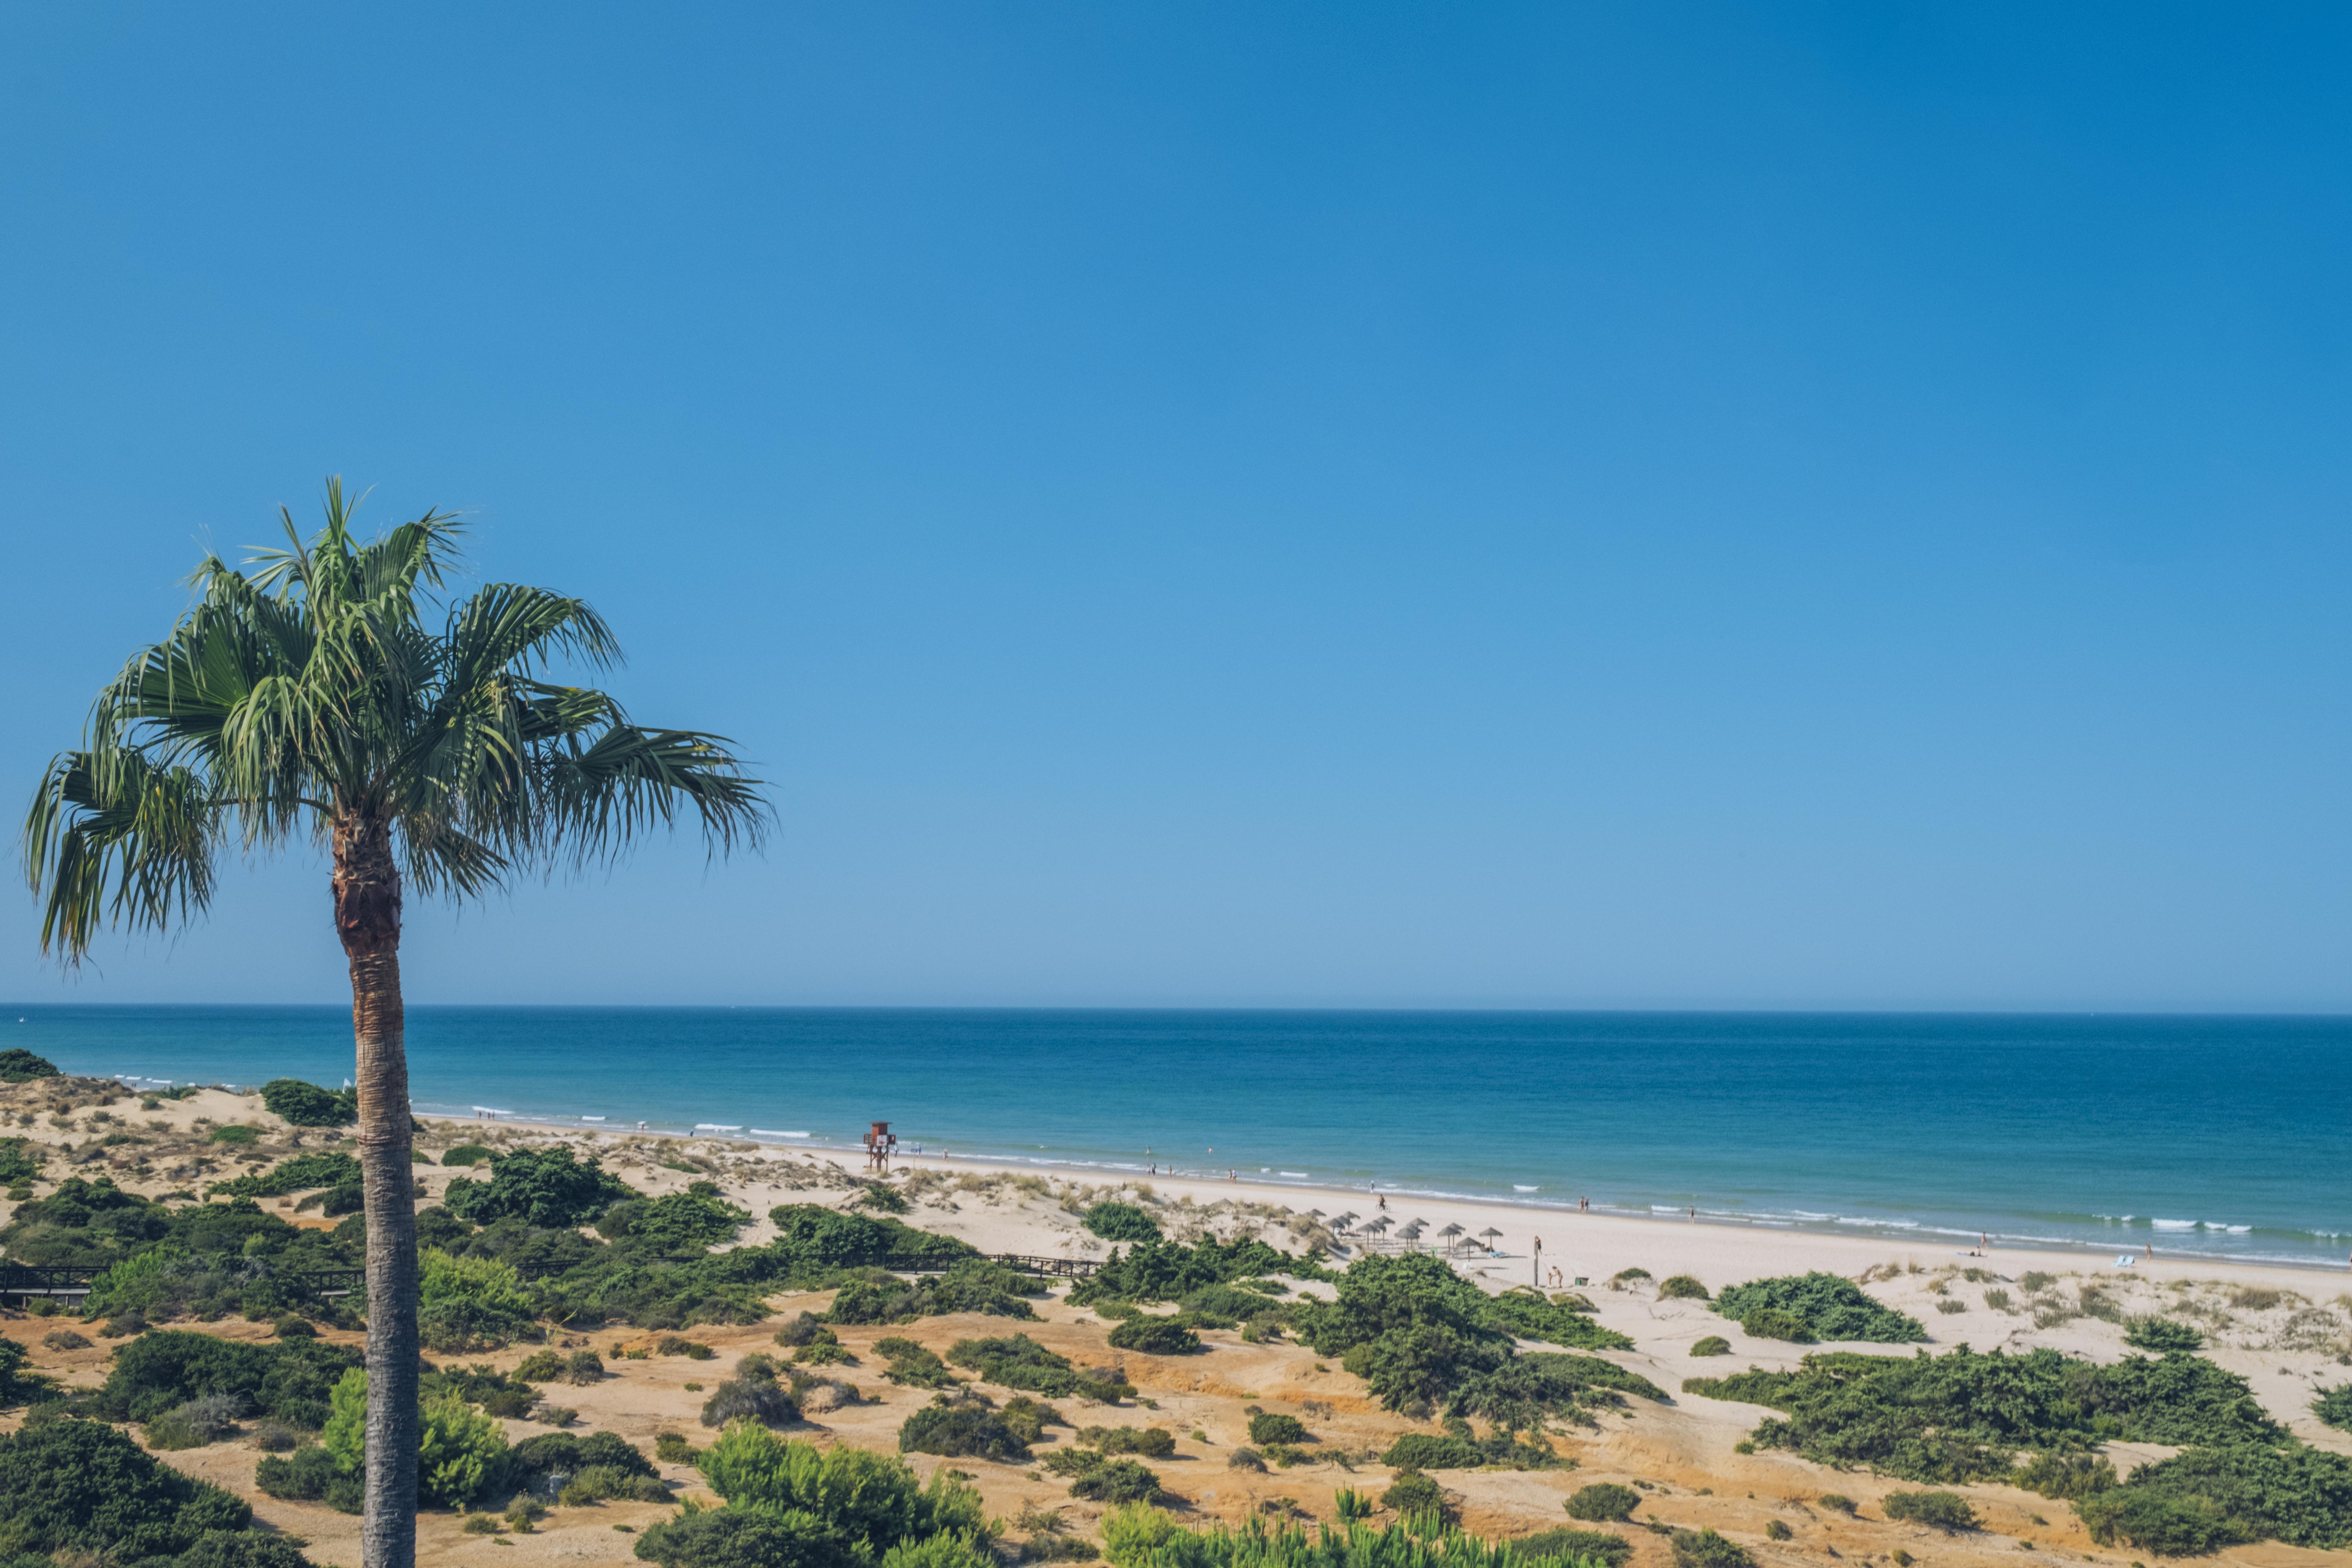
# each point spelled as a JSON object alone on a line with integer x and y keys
{"x": 2230, "y": 1137}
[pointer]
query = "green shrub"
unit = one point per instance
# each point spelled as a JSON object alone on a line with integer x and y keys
{"x": 308, "y": 1105}
{"x": 470, "y": 1303}
{"x": 677, "y": 1222}
{"x": 569, "y": 1454}
{"x": 20, "y": 1161}
{"x": 19, "y": 1065}
{"x": 1946, "y": 1512}
{"x": 1604, "y": 1502}
{"x": 787, "y": 1503}
{"x": 1120, "y": 1222}
{"x": 1155, "y": 1336}
{"x": 1152, "y": 1442}
{"x": 1776, "y": 1530}
{"x": 2242, "y": 1491}
{"x": 1527, "y": 1314}
{"x": 1118, "y": 1481}
{"x": 469, "y": 1154}
{"x": 2158, "y": 1523}
{"x": 596, "y": 1483}
{"x": 1771, "y": 1324}
{"x": 236, "y": 1135}
{"x": 961, "y": 1432}
{"x": 85, "y": 1489}
{"x": 1427, "y": 1451}
{"x": 910, "y": 1365}
{"x": 539, "y": 1366}
{"x": 1713, "y": 1344}
{"x": 969, "y": 1285}
{"x": 549, "y": 1186}
{"x": 1588, "y": 1547}
{"x": 2334, "y": 1407}
{"x": 1163, "y": 1272}
{"x": 2162, "y": 1335}
{"x": 694, "y": 1349}
{"x": 751, "y": 1394}
{"x": 1829, "y": 1307}
{"x": 1836, "y": 1502}
{"x": 1271, "y": 1427}
{"x": 1705, "y": 1549}
{"x": 1245, "y": 1459}
{"x": 309, "y": 1474}
{"x": 672, "y": 1448}
{"x": 462, "y": 1455}
{"x": 1965, "y": 1416}
{"x": 1028, "y": 1419}
{"x": 291, "y": 1380}
{"x": 1681, "y": 1287}
{"x": 1413, "y": 1495}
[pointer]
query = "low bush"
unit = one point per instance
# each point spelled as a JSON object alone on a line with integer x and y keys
{"x": 1019, "y": 1361}
{"x": 1713, "y": 1344}
{"x": 2239, "y": 1491}
{"x": 290, "y": 1326}
{"x": 19, "y": 1065}
{"x": 540, "y": 1366}
{"x": 468, "y": 1156}
{"x": 1946, "y": 1512}
{"x": 471, "y": 1303}
{"x": 64, "y": 1340}
{"x": 2334, "y": 1407}
{"x": 1164, "y": 1271}
{"x": 1120, "y": 1222}
{"x": 1413, "y": 1495}
{"x": 1152, "y": 1442}
{"x": 910, "y": 1365}
{"x": 2158, "y": 1524}
{"x": 694, "y": 1349}
{"x": 236, "y": 1135}
{"x": 309, "y": 1474}
{"x": 677, "y": 1222}
{"x": 462, "y": 1455}
{"x": 564, "y": 1453}
{"x": 1118, "y": 1481}
{"x": 1155, "y": 1336}
{"x": 1527, "y": 1314}
{"x": 550, "y": 1187}
{"x": 1836, "y": 1502}
{"x": 961, "y": 1432}
{"x": 1245, "y": 1459}
{"x": 1772, "y": 1324}
{"x": 209, "y": 1418}
{"x": 1271, "y": 1427}
{"x": 1829, "y": 1307}
{"x": 83, "y": 1489}
{"x": 1028, "y": 1419}
{"x": 2162, "y": 1335}
{"x": 969, "y": 1285}
{"x": 1427, "y": 1451}
{"x": 1603, "y": 1502}
{"x": 1705, "y": 1549}
{"x": 582, "y": 1368}
{"x": 1966, "y": 1416}
{"x": 750, "y": 1396}
{"x": 1681, "y": 1287}
{"x": 672, "y": 1448}
{"x": 1777, "y": 1530}
{"x": 308, "y": 1105}
{"x": 790, "y": 1506}
{"x": 597, "y": 1483}
{"x": 1588, "y": 1547}
{"x": 291, "y": 1380}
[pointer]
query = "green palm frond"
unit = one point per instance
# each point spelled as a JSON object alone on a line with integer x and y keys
{"x": 309, "y": 689}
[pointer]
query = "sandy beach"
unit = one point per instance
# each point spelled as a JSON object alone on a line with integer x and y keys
{"x": 2287, "y": 1330}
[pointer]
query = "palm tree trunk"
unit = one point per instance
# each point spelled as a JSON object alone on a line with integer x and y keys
{"x": 367, "y": 918}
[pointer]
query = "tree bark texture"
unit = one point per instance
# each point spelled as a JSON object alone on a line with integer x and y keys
{"x": 367, "y": 918}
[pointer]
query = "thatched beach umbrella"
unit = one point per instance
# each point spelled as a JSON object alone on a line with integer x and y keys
{"x": 1490, "y": 1232}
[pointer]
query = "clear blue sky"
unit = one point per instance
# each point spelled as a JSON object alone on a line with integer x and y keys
{"x": 1679, "y": 505}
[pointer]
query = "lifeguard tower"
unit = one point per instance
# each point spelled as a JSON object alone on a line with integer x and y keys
{"x": 880, "y": 1144}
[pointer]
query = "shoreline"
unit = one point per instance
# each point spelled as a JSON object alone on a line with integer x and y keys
{"x": 1602, "y": 1231}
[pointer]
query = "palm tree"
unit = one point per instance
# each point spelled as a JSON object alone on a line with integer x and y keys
{"x": 307, "y": 696}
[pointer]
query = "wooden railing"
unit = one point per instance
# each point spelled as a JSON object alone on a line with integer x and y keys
{"x": 1061, "y": 1267}
{"x": 75, "y": 1279}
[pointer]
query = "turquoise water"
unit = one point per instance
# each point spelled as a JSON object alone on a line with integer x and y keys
{"x": 2213, "y": 1135}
